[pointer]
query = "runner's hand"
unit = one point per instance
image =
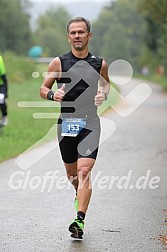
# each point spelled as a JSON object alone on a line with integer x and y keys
{"x": 59, "y": 94}
{"x": 99, "y": 98}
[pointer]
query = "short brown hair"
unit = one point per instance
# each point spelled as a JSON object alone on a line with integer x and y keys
{"x": 79, "y": 19}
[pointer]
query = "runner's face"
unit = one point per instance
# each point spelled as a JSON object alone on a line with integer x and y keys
{"x": 79, "y": 36}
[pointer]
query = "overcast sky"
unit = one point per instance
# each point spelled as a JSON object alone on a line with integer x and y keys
{"x": 68, "y": 1}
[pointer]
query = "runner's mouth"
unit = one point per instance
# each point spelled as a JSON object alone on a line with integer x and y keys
{"x": 78, "y": 42}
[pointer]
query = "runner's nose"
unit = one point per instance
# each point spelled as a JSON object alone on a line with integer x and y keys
{"x": 76, "y": 35}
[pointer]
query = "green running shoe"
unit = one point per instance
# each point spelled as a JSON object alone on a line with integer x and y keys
{"x": 76, "y": 228}
{"x": 76, "y": 204}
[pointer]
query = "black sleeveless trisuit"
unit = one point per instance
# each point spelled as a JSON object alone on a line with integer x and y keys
{"x": 81, "y": 77}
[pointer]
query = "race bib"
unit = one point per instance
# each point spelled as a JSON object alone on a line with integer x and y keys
{"x": 72, "y": 126}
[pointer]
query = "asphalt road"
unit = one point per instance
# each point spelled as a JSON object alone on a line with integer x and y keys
{"x": 129, "y": 197}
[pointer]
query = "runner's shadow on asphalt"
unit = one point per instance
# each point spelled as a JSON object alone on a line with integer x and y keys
{"x": 77, "y": 241}
{"x": 79, "y": 245}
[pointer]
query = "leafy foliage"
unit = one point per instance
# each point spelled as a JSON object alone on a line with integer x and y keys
{"x": 15, "y": 33}
{"x": 156, "y": 22}
{"x": 119, "y": 32}
{"x": 51, "y": 31}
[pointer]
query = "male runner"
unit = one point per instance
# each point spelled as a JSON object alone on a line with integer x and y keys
{"x": 4, "y": 91}
{"x": 79, "y": 124}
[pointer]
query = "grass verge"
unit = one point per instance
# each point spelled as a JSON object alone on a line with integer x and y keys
{"x": 23, "y": 130}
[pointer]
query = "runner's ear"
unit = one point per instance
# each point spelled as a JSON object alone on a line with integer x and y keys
{"x": 90, "y": 36}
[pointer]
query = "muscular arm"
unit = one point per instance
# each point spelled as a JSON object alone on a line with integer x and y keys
{"x": 104, "y": 80}
{"x": 53, "y": 73}
{"x": 104, "y": 85}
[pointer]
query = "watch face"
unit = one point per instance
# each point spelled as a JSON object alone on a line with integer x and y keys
{"x": 105, "y": 95}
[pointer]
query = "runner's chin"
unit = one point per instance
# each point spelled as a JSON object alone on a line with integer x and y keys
{"x": 78, "y": 47}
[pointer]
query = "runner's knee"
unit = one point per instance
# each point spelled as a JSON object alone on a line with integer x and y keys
{"x": 84, "y": 172}
{"x": 71, "y": 170}
{"x": 71, "y": 174}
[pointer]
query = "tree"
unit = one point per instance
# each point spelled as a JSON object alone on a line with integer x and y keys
{"x": 156, "y": 38}
{"x": 162, "y": 47}
{"x": 15, "y": 33}
{"x": 155, "y": 10}
{"x": 51, "y": 31}
{"x": 118, "y": 32}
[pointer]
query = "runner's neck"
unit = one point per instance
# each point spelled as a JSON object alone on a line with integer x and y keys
{"x": 80, "y": 54}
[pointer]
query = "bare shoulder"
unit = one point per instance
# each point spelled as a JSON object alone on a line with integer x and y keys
{"x": 55, "y": 65}
{"x": 104, "y": 65}
{"x": 55, "y": 68}
{"x": 104, "y": 70}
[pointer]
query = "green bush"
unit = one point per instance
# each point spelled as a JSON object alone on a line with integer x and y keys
{"x": 18, "y": 68}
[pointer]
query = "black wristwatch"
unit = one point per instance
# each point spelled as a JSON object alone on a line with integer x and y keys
{"x": 105, "y": 95}
{"x": 50, "y": 95}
